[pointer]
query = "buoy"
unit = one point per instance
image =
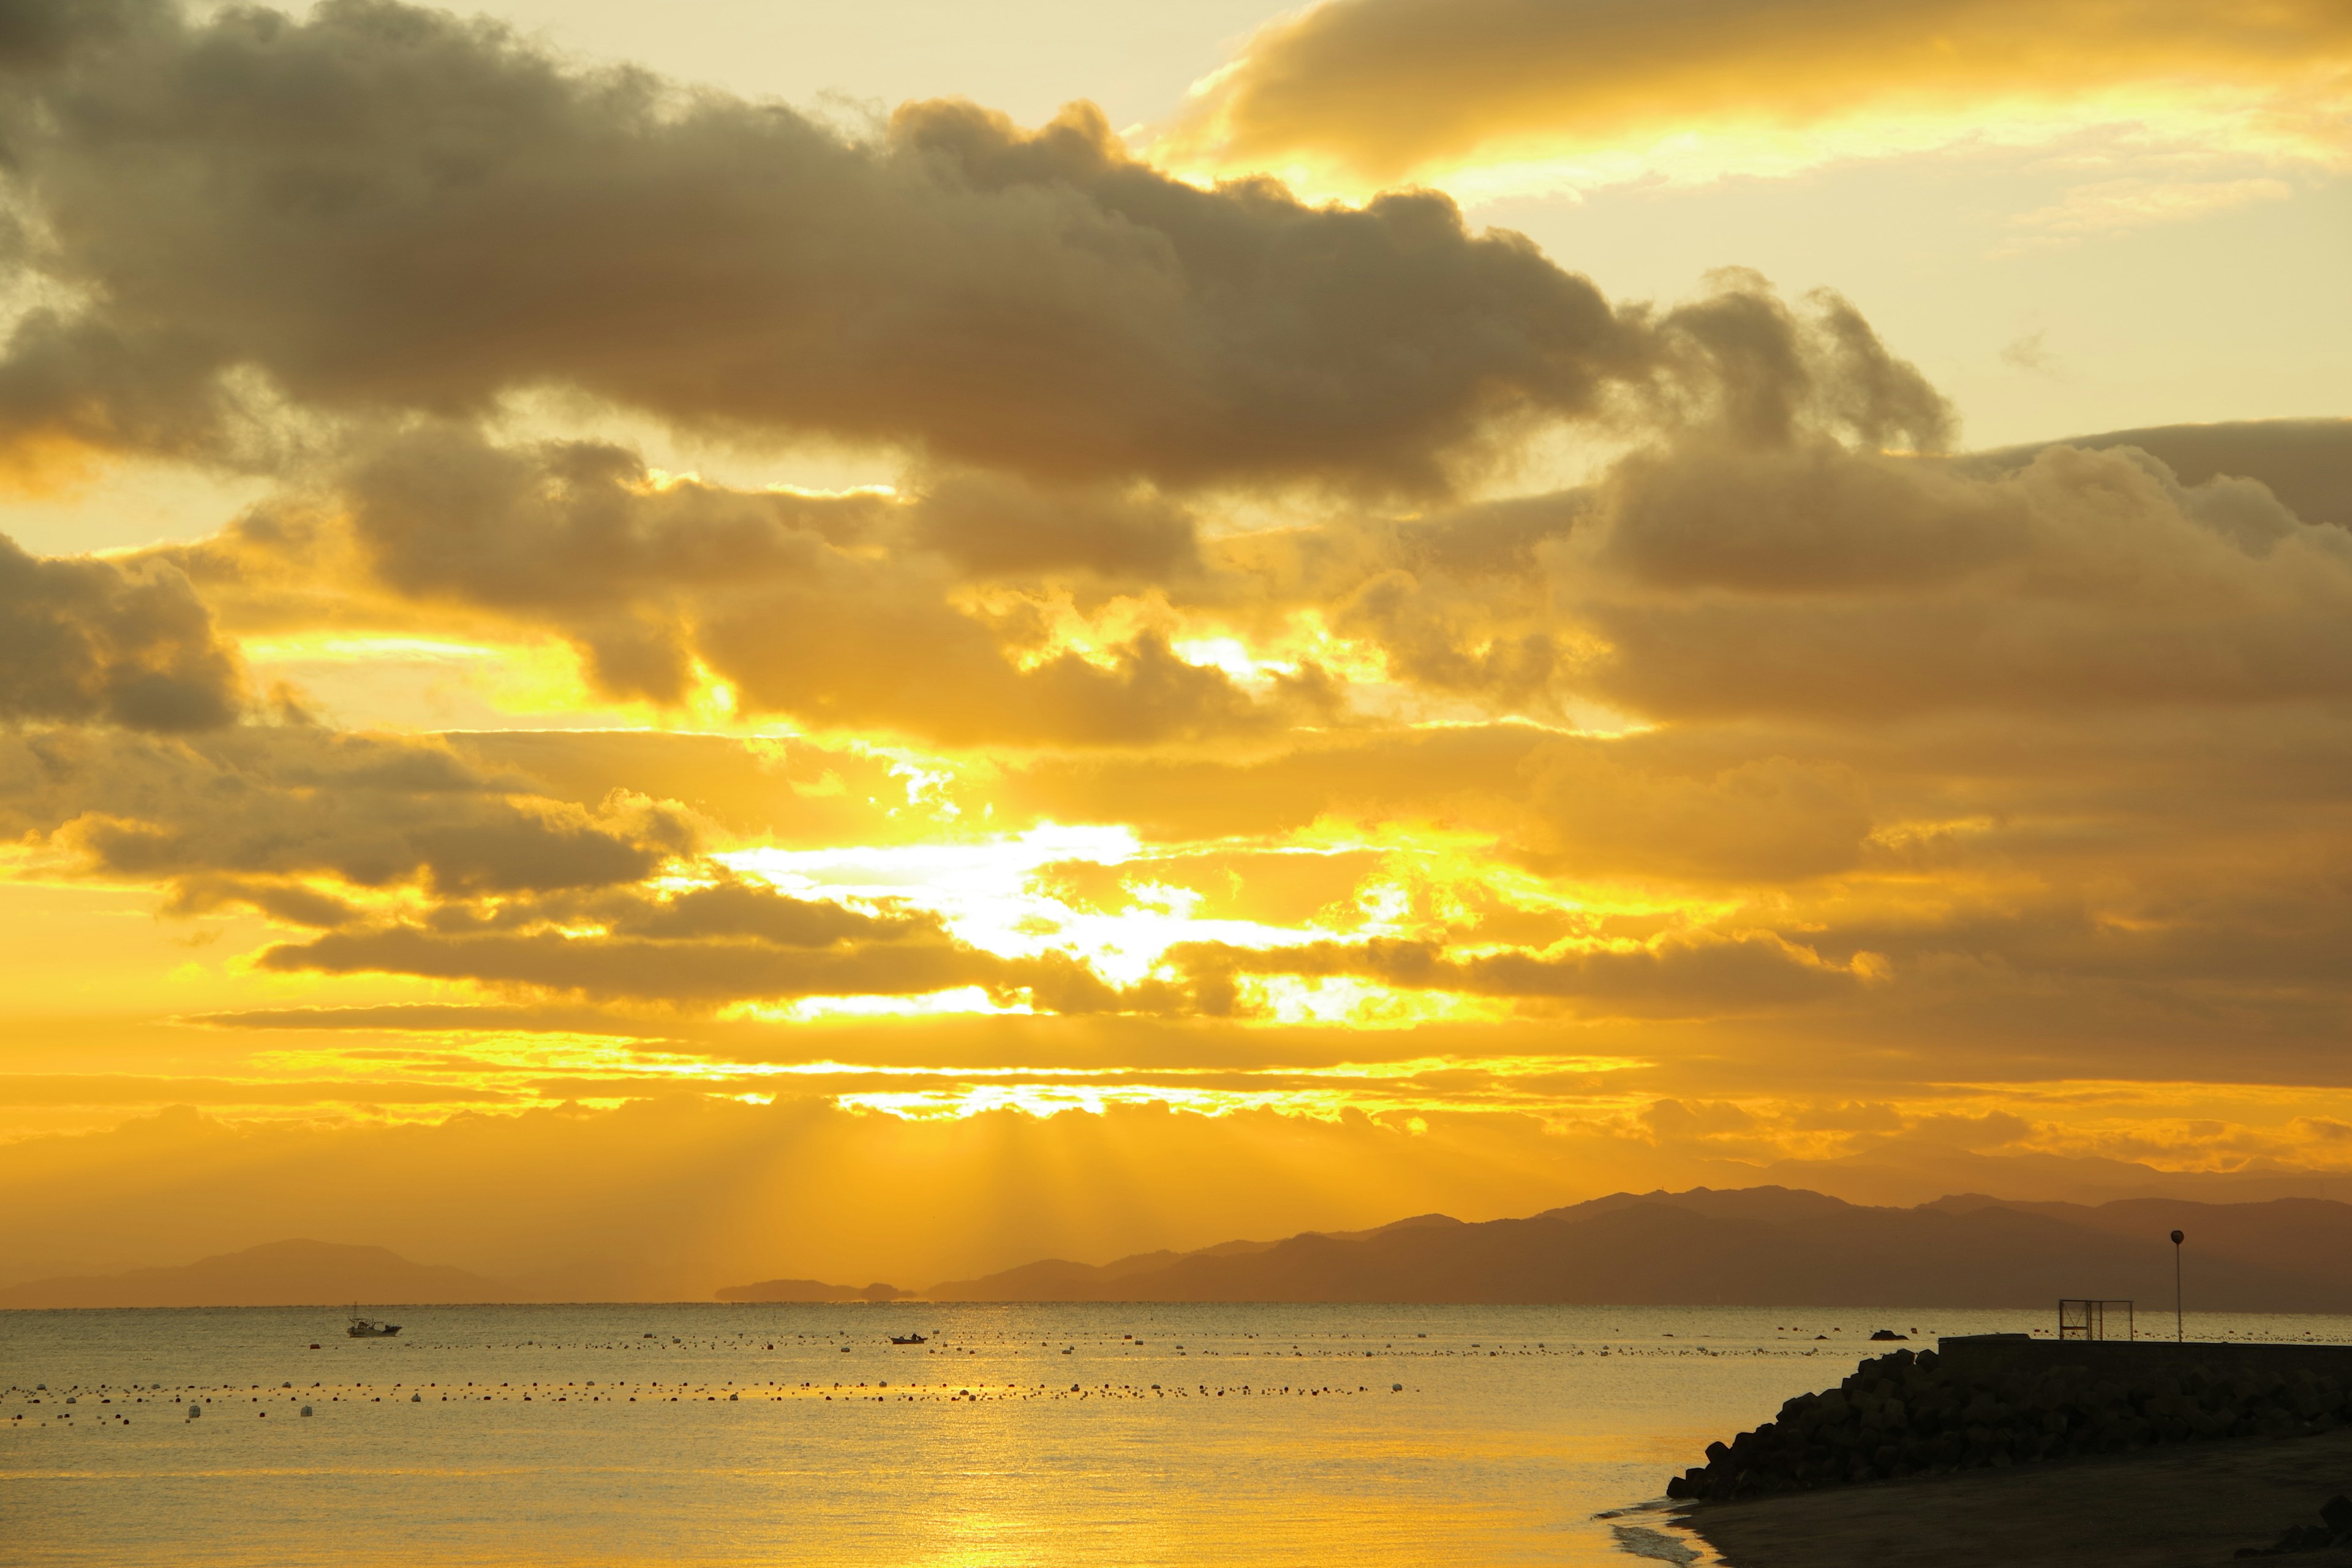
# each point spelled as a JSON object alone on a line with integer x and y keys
{"x": 416, "y": 1399}
{"x": 306, "y": 1410}
{"x": 195, "y": 1411}
{"x": 1396, "y": 1388}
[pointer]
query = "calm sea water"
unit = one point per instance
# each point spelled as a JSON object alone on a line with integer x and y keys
{"x": 798, "y": 1434}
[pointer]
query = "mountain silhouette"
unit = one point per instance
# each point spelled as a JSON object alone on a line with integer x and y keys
{"x": 277, "y": 1273}
{"x": 1759, "y": 1247}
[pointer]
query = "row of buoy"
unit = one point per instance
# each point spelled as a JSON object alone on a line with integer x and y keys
{"x": 196, "y": 1409}
{"x": 1680, "y": 1350}
{"x": 560, "y": 1390}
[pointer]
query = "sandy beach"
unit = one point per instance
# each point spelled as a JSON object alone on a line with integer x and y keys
{"x": 2171, "y": 1508}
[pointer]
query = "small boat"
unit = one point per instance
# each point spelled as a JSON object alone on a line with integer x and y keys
{"x": 909, "y": 1339}
{"x": 368, "y": 1329}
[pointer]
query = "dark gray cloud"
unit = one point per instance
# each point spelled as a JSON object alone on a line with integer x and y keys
{"x": 90, "y": 641}
{"x": 1818, "y": 581}
{"x": 258, "y": 805}
{"x": 1746, "y": 567}
{"x": 693, "y": 973}
{"x": 989, "y": 527}
{"x": 43, "y": 31}
{"x": 1764, "y": 375}
{"x": 1678, "y": 977}
{"x": 381, "y": 207}
{"x": 695, "y": 963}
{"x": 748, "y": 910}
{"x": 290, "y": 902}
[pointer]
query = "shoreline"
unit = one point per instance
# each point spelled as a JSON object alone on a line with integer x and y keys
{"x": 2164, "y": 1506}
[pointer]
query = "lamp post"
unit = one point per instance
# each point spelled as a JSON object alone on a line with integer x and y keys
{"x": 2177, "y": 1239}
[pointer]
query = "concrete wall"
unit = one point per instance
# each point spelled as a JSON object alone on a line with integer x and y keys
{"x": 1976, "y": 1354}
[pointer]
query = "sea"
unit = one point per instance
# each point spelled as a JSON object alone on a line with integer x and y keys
{"x": 696, "y": 1434}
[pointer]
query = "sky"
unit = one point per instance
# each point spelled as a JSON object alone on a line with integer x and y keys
{"x": 647, "y": 648}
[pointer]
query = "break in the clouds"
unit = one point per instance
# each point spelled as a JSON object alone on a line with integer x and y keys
{"x": 1356, "y": 94}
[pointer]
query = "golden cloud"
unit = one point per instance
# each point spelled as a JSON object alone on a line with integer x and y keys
{"x": 1489, "y": 96}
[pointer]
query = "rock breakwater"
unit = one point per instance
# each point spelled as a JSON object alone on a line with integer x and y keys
{"x": 2334, "y": 1529}
{"x": 1910, "y": 1414}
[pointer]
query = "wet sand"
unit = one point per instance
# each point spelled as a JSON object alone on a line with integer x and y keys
{"x": 2190, "y": 1507}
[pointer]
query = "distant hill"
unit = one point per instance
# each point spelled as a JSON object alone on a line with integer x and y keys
{"x": 1770, "y": 1246}
{"x": 1058, "y": 1279}
{"x": 1761, "y": 1246}
{"x": 278, "y": 1273}
{"x": 1899, "y": 1176}
{"x": 808, "y": 1291}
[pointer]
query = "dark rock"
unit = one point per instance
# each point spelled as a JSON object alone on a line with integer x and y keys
{"x": 1904, "y": 1414}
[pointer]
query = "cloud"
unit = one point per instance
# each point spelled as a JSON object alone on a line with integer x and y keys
{"x": 2030, "y": 352}
{"x": 686, "y": 972}
{"x": 725, "y": 942}
{"x": 382, "y": 208}
{"x": 1351, "y": 94}
{"x": 40, "y": 32}
{"x": 84, "y": 640}
{"x": 975, "y": 609}
{"x": 846, "y": 612}
{"x": 243, "y": 813}
{"x": 1593, "y": 809}
{"x": 987, "y": 527}
{"x": 1714, "y": 576}
{"x": 291, "y": 903}
{"x": 1678, "y": 977}
{"x": 2113, "y": 207}
{"x": 789, "y": 792}
{"x": 2305, "y": 463}
{"x": 734, "y": 908}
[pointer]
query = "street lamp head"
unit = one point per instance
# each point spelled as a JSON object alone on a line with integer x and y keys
{"x": 2177, "y": 1239}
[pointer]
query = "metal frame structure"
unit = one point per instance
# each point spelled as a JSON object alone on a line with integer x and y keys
{"x": 2093, "y": 1320}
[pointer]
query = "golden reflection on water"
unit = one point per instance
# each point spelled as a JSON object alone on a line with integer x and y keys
{"x": 753, "y": 1435}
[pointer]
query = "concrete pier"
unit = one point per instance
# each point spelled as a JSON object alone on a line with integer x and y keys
{"x": 1975, "y": 1355}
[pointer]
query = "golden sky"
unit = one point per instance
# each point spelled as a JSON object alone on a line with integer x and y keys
{"x": 660, "y": 661}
